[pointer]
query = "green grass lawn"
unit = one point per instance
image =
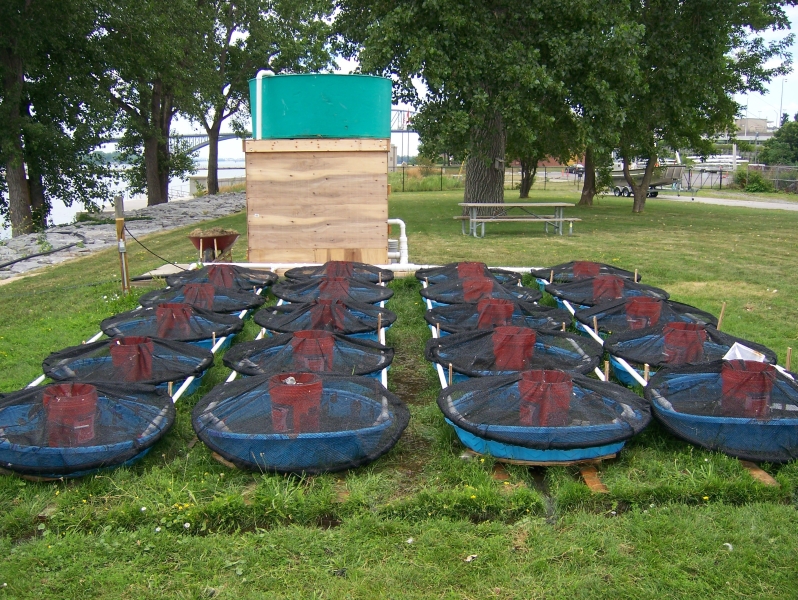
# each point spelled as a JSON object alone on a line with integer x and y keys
{"x": 677, "y": 522}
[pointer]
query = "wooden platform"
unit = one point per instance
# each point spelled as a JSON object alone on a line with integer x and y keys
{"x": 314, "y": 200}
{"x": 531, "y": 463}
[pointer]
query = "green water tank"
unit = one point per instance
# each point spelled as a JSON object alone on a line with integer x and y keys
{"x": 321, "y": 105}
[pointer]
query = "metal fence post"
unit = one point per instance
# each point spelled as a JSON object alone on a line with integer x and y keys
{"x": 545, "y": 177}
{"x": 441, "y": 177}
{"x": 403, "y": 178}
{"x": 721, "y": 180}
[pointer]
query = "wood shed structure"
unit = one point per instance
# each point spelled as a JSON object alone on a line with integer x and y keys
{"x": 317, "y": 179}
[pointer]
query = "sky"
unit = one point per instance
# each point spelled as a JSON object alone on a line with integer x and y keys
{"x": 782, "y": 91}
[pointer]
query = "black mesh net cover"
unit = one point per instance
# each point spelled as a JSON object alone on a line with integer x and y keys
{"x": 316, "y": 350}
{"x": 741, "y": 408}
{"x": 129, "y": 358}
{"x": 342, "y": 269}
{"x": 177, "y": 321}
{"x": 300, "y": 422}
{"x": 639, "y": 312}
{"x": 510, "y": 349}
{"x": 579, "y": 269}
{"x": 339, "y": 316}
{"x": 677, "y": 343}
{"x": 68, "y": 429}
{"x": 603, "y": 288}
{"x": 226, "y": 276}
{"x": 490, "y": 312}
{"x": 545, "y": 409}
{"x": 205, "y": 295}
{"x": 474, "y": 289}
{"x": 461, "y": 270}
{"x": 331, "y": 288}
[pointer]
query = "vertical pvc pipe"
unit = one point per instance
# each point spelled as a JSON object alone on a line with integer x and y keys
{"x": 259, "y": 102}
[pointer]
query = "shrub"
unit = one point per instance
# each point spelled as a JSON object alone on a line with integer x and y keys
{"x": 752, "y": 181}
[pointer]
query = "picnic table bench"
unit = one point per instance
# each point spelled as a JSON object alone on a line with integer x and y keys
{"x": 525, "y": 212}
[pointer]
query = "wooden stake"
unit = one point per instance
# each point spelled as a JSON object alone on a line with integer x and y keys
{"x": 789, "y": 359}
{"x": 213, "y": 338}
{"x": 200, "y": 251}
{"x": 170, "y": 388}
{"x": 215, "y": 249}
{"x": 595, "y": 324}
{"x": 635, "y": 275}
{"x": 758, "y": 474}
{"x": 379, "y": 277}
{"x": 606, "y": 370}
{"x": 438, "y": 329}
{"x": 119, "y": 208}
{"x": 551, "y": 276}
{"x": 592, "y": 480}
{"x": 646, "y": 372}
{"x": 720, "y": 318}
{"x": 563, "y": 326}
{"x": 379, "y": 322}
{"x": 450, "y": 374}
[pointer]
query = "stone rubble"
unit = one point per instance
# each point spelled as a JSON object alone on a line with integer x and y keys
{"x": 90, "y": 238}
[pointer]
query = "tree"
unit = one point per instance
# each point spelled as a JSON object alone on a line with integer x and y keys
{"x": 782, "y": 148}
{"x": 279, "y": 35}
{"x": 552, "y": 134}
{"x": 695, "y": 56}
{"x": 50, "y": 116}
{"x": 153, "y": 53}
{"x": 491, "y": 70}
{"x": 482, "y": 64}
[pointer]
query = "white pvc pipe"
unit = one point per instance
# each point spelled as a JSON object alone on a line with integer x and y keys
{"x": 403, "y": 254}
{"x": 259, "y": 102}
{"x": 594, "y": 334}
{"x": 402, "y": 268}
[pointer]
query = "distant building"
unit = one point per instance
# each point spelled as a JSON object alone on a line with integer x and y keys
{"x": 751, "y": 126}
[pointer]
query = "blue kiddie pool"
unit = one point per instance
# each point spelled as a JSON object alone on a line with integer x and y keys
{"x": 741, "y": 408}
{"x": 74, "y": 428}
{"x": 300, "y": 422}
{"x": 543, "y": 416}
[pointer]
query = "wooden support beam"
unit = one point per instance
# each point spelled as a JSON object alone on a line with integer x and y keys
{"x": 761, "y": 476}
{"x": 500, "y": 473}
{"x": 592, "y": 480}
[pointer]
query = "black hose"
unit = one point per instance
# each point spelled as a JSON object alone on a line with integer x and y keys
{"x": 29, "y": 256}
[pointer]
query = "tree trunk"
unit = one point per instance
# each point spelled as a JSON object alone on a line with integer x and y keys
{"x": 641, "y": 190}
{"x": 151, "y": 161}
{"x": 156, "y": 146}
{"x": 213, "y": 156}
{"x": 18, "y": 195}
{"x": 38, "y": 205}
{"x": 529, "y": 168}
{"x": 484, "y": 181}
{"x": 589, "y": 187}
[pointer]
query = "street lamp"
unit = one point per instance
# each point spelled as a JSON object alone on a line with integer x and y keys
{"x": 756, "y": 147}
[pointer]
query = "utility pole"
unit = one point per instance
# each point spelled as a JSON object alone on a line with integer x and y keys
{"x": 781, "y": 100}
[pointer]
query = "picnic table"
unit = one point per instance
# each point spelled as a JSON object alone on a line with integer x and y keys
{"x": 515, "y": 212}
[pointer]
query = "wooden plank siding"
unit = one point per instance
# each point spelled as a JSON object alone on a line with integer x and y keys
{"x": 313, "y": 200}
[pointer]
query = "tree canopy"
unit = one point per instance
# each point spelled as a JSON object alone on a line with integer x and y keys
{"x": 782, "y": 148}
{"x": 244, "y": 37}
{"x": 487, "y": 69}
{"x": 51, "y": 117}
{"x": 694, "y": 56}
